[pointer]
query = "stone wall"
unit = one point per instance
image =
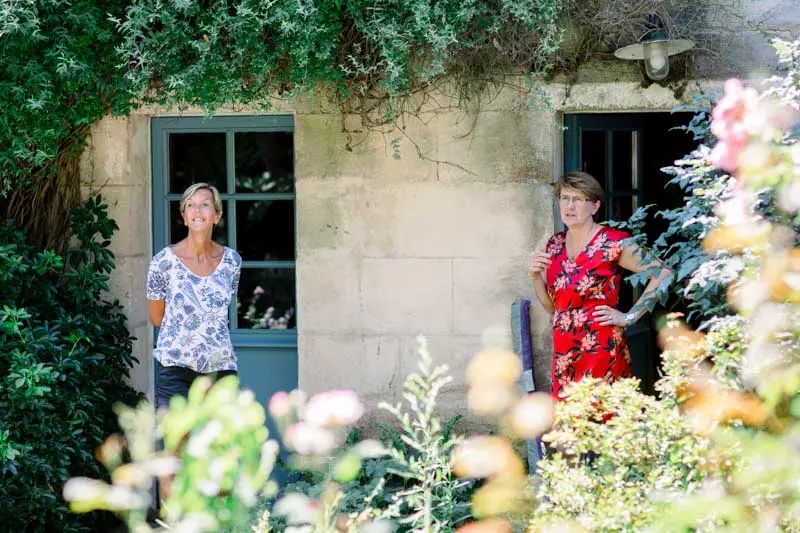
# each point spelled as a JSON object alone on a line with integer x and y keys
{"x": 433, "y": 243}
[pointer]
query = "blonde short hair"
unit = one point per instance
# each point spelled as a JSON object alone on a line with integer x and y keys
{"x": 193, "y": 188}
{"x": 582, "y": 182}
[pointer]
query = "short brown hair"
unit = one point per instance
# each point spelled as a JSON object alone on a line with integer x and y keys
{"x": 583, "y": 182}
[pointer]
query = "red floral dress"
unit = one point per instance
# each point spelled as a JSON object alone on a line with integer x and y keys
{"x": 576, "y": 286}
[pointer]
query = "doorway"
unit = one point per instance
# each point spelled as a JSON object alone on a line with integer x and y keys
{"x": 250, "y": 159}
{"x": 626, "y": 152}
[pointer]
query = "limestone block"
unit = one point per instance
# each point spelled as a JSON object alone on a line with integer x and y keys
{"x": 410, "y": 296}
{"x": 781, "y": 15}
{"x": 328, "y": 216}
{"x": 368, "y": 364}
{"x": 141, "y": 377}
{"x": 128, "y": 206}
{"x": 109, "y": 153}
{"x": 328, "y": 297}
{"x": 483, "y": 291}
{"x": 323, "y": 150}
{"x": 447, "y": 220}
{"x": 617, "y": 96}
{"x": 139, "y": 151}
{"x": 127, "y": 284}
{"x": 455, "y": 351}
{"x": 502, "y": 146}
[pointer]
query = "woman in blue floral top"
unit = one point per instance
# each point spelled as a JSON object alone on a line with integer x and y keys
{"x": 189, "y": 288}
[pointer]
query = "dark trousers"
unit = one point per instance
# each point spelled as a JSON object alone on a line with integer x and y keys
{"x": 176, "y": 380}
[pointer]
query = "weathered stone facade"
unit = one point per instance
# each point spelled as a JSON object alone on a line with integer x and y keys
{"x": 387, "y": 248}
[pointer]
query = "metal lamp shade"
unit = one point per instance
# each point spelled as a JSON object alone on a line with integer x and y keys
{"x": 636, "y": 51}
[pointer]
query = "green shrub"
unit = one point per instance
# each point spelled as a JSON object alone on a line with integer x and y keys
{"x": 65, "y": 353}
{"x": 413, "y": 484}
{"x": 606, "y": 474}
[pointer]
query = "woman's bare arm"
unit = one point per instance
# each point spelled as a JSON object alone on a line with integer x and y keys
{"x": 633, "y": 259}
{"x": 542, "y": 295}
{"x": 156, "y": 310}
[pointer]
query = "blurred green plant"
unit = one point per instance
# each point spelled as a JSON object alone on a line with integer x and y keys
{"x": 215, "y": 444}
{"x": 615, "y": 451}
{"x": 408, "y": 479}
{"x": 751, "y": 405}
{"x": 434, "y": 499}
{"x": 65, "y": 357}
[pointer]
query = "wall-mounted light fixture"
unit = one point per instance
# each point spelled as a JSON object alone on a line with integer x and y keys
{"x": 654, "y": 47}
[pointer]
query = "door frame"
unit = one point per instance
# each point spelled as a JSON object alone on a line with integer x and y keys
{"x": 577, "y": 123}
{"x": 161, "y": 128}
{"x": 574, "y": 125}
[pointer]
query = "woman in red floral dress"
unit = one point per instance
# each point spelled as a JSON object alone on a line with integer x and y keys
{"x": 577, "y": 278}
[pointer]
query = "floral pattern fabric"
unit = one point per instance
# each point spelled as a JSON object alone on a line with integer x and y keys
{"x": 576, "y": 286}
{"x": 194, "y": 331}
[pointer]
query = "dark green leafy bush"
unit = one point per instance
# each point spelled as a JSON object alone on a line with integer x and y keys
{"x": 65, "y": 353}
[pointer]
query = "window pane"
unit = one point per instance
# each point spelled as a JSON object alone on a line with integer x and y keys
{"x": 178, "y": 231}
{"x": 266, "y": 299}
{"x": 624, "y": 160}
{"x": 593, "y": 146}
{"x": 265, "y": 230}
{"x": 264, "y": 162}
{"x": 195, "y": 158}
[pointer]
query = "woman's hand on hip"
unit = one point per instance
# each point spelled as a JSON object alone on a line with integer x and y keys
{"x": 539, "y": 263}
{"x": 608, "y": 316}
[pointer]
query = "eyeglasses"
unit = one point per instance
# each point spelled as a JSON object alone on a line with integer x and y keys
{"x": 577, "y": 200}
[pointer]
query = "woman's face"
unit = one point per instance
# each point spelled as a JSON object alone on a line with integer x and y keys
{"x": 199, "y": 213}
{"x": 576, "y": 208}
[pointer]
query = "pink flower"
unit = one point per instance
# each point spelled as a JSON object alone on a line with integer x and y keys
{"x": 562, "y": 363}
{"x": 565, "y": 321}
{"x": 585, "y": 284}
{"x": 579, "y": 318}
{"x": 561, "y": 282}
{"x": 736, "y": 118}
{"x": 308, "y": 439}
{"x": 336, "y": 407}
{"x": 724, "y": 156}
{"x": 613, "y": 251}
{"x": 588, "y": 343}
{"x": 279, "y": 404}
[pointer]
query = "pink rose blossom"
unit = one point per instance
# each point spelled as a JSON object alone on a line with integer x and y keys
{"x": 336, "y": 407}
{"x": 279, "y": 404}
{"x": 308, "y": 439}
{"x": 737, "y": 118}
{"x": 723, "y": 156}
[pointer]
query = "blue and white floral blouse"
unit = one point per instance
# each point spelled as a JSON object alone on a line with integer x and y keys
{"x": 194, "y": 332}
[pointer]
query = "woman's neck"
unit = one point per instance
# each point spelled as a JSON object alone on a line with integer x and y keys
{"x": 199, "y": 245}
{"x": 582, "y": 230}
